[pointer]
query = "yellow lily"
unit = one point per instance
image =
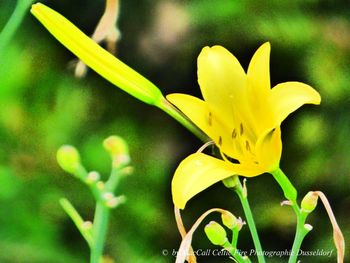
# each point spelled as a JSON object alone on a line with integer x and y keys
{"x": 241, "y": 114}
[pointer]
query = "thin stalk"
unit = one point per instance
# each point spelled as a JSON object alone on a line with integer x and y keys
{"x": 114, "y": 179}
{"x": 301, "y": 229}
{"x": 99, "y": 231}
{"x": 78, "y": 221}
{"x": 300, "y": 234}
{"x": 13, "y": 23}
{"x": 235, "y": 253}
{"x": 250, "y": 221}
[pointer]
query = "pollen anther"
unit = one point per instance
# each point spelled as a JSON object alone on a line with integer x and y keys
{"x": 241, "y": 129}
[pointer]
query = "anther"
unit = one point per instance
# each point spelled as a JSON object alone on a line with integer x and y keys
{"x": 241, "y": 129}
{"x": 210, "y": 122}
{"x": 234, "y": 134}
{"x": 247, "y": 145}
{"x": 220, "y": 140}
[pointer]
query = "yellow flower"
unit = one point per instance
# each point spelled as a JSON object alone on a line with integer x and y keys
{"x": 241, "y": 114}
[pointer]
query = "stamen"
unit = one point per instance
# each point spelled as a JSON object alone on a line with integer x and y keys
{"x": 247, "y": 146}
{"x": 205, "y": 146}
{"x": 234, "y": 134}
{"x": 210, "y": 122}
{"x": 220, "y": 140}
{"x": 241, "y": 129}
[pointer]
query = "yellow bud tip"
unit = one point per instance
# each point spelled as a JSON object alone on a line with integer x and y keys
{"x": 36, "y": 8}
{"x": 68, "y": 158}
{"x": 118, "y": 149}
{"x": 215, "y": 233}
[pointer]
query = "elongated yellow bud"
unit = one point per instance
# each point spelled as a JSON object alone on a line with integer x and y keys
{"x": 96, "y": 57}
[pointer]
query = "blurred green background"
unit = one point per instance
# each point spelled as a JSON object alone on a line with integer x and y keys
{"x": 43, "y": 106}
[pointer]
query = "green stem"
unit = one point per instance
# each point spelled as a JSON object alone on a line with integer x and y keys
{"x": 114, "y": 178}
{"x": 235, "y": 233}
{"x": 300, "y": 234}
{"x": 78, "y": 221}
{"x": 13, "y": 23}
{"x": 288, "y": 189}
{"x": 99, "y": 231}
{"x": 291, "y": 194}
{"x": 250, "y": 221}
{"x": 235, "y": 253}
{"x": 177, "y": 115}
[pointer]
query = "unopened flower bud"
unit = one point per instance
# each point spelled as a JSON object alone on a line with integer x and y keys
{"x": 87, "y": 225}
{"x": 115, "y": 201}
{"x": 118, "y": 149}
{"x": 229, "y": 220}
{"x": 104, "y": 63}
{"x": 215, "y": 233}
{"x": 68, "y": 158}
{"x": 309, "y": 202}
{"x": 107, "y": 195}
{"x": 92, "y": 177}
{"x": 231, "y": 182}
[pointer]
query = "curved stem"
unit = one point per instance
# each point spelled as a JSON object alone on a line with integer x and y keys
{"x": 241, "y": 192}
{"x": 77, "y": 220}
{"x": 300, "y": 234}
{"x": 235, "y": 253}
{"x": 99, "y": 231}
{"x": 291, "y": 194}
{"x": 13, "y": 23}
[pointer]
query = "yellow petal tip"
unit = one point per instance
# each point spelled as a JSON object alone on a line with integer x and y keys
{"x": 35, "y": 7}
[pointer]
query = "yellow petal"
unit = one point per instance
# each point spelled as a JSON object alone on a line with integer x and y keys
{"x": 269, "y": 150}
{"x": 198, "y": 112}
{"x": 289, "y": 96}
{"x": 259, "y": 71}
{"x": 222, "y": 81}
{"x": 199, "y": 171}
{"x": 258, "y": 88}
{"x": 195, "y": 109}
{"x": 96, "y": 57}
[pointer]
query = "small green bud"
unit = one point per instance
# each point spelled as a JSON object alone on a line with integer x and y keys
{"x": 229, "y": 220}
{"x": 87, "y": 225}
{"x": 309, "y": 202}
{"x": 68, "y": 158}
{"x": 92, "y": 177}
{"x": 119, "y": 150}
{"x": 100, "y": 185}
{"x": 114, "y": 201}
{"x": 231, "y": 182}
{"x": 215, "y": 233}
